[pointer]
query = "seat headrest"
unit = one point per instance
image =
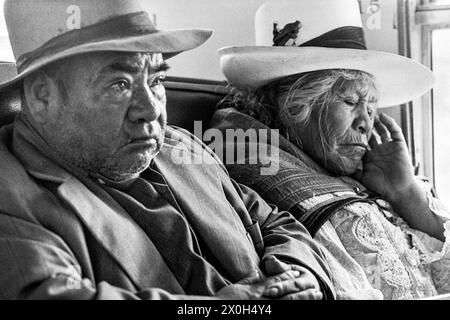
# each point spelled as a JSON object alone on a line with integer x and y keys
{"x": 191, "y": 100}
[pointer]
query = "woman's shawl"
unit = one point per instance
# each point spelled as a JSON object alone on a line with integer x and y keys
{"x": 294, "y": 177}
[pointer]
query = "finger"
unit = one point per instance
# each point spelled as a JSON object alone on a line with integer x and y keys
{"x": 285, "y": 276}
{"x": 61, "y": 286}
{"x": 274, "y": 266}
{"x": 374, "y": 139}
{"x": 307, "y": 274}
{"x": 382, "y": 131}
{"x": 286, "y": 287}
{"x": 255, "y": 276}
{"x": 393, "y": 127}
{"x": 310, "y": 294}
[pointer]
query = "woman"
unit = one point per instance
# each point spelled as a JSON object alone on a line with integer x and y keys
{"x": 343, "y": 171}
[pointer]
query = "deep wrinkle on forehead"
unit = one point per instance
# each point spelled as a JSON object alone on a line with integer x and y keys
{"x": 363, "y": 91}
{"x": 130, "y": 63}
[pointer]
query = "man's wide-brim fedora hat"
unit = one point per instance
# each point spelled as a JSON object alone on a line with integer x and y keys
{"x": 298, "y": 36}
{"x": 43, "y": 31}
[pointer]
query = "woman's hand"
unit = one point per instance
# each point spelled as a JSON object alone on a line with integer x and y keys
{"x": 388, "y": 171}
{"x": 387, "y": 168}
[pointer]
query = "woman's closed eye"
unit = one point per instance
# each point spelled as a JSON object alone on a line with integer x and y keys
{"x": 348, "y": 100}
{"x": 351, "y": 103}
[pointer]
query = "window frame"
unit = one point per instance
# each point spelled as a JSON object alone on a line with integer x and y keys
{"x": 429, "y": 16}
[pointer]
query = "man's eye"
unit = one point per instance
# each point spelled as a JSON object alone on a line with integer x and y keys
{"x": 156, "y": 82}
{"x": 120, "y": 86}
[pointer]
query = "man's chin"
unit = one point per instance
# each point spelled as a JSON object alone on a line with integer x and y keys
{"x": 144, "y": 160}
{"x": 135, "y": 164}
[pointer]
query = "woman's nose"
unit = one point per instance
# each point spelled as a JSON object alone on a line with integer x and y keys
{"x": 362, "y": 121}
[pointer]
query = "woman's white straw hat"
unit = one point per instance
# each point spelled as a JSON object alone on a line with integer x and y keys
{"x": 298, "y": 36}
{"x": 43, "y": 31}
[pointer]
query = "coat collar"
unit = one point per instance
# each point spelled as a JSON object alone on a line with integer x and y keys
{"x": 216, "y": 212}
{"x": 110, "y": 225}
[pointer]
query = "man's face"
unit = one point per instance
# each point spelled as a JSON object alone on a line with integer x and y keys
{"x": 346, "y": 128}
{"x": 112, "y": 117}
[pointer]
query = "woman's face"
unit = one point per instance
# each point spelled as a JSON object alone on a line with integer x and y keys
{"x": 337, "y": 136}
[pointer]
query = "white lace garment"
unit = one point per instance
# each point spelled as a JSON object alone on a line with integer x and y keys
{"x": 374, "y": 254}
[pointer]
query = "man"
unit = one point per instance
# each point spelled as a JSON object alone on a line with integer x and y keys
{"x": 93, "y": 204}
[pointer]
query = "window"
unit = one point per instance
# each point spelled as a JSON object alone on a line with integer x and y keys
{"x": 441, "y": 108}
{"x": 439, "y": 2}
{"x": 433, "y": 16}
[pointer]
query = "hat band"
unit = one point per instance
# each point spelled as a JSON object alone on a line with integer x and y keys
{"x": 124, "y": 26}
{"x": 344, "y": 37}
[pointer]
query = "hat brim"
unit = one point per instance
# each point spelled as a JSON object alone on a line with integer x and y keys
{"x": 398, "y": 79}
{"x": 168, "y": 42}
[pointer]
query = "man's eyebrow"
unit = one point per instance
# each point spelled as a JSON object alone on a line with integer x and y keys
{"x": 124, "y": 67}
{"x": 163, "y": 67}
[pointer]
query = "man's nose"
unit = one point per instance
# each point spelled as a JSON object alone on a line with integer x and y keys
{"x": 145, "y": 106}
{"x": 362, "y": 122}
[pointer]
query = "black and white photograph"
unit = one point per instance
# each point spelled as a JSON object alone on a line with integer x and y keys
{"x": 231, "y": 154}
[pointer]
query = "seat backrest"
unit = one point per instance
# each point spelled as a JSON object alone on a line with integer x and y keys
{"x": 9, "y": 106}
{"x": 188, "y": 100}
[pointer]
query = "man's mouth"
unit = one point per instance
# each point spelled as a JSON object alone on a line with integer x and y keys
{"x": 148, "y": 142}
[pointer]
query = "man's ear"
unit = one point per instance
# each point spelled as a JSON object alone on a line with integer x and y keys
{"x": 37, "y": 89}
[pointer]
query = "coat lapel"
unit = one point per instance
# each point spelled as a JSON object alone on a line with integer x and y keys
{"x": 207, "y": 209}
{"x": 119, "y": 235}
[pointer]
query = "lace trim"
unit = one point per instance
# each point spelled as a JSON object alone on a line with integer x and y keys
{"x": 313, "y": 201}
{"x": 397, "y": 262}
{"x": 372, "y": 234}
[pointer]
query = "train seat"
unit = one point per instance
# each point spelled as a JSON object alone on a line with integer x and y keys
{"x": 190, "y": 100}
{"x": 9, "y": 106}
